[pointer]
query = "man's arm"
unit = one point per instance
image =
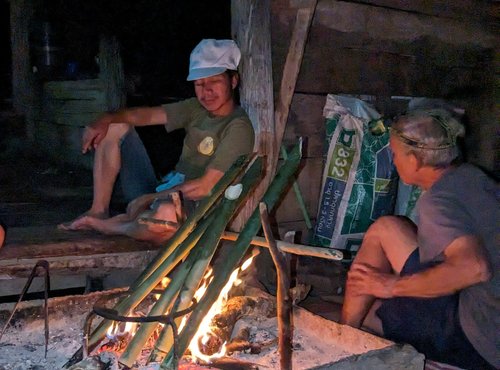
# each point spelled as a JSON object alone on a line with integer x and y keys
{"x": 465, "y": 264}
{"x": 97, "y": 130}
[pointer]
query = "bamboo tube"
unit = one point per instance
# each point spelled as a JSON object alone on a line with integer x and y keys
{"x": 198, "y": 270}
{"x": 161, "y": 306}
{"x": 271, "y": 197}
{"x": 188, "y": 230}
{"x": 200, "y": 211}
{"x": 293, "y": 248}
{"x": 298, "y": 195}
{"x": 210, "y": 241}
{"x": 203, "y": 253}
{"x": 140, "y": 292}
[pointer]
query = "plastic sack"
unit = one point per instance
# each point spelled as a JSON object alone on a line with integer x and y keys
{"x": 359, "y": 180}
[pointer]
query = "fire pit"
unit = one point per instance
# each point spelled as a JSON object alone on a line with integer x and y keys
{"x": 317, "y": 343}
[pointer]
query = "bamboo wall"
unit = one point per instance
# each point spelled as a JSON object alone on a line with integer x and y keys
{"x": 387, "y": 48}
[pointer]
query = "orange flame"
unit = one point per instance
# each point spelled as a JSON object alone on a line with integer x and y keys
{"x": 205, "y": 331}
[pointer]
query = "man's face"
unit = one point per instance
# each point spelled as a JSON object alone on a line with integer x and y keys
{"x": 215, "y": 93}
{"x": 404, "y": 162}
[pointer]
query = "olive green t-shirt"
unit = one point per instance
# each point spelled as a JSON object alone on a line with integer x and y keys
{"x": 210, "y": 142}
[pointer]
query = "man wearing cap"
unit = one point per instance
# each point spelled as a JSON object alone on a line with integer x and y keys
{"x": 218, "y": 131}
{"x": 434, "y": 285}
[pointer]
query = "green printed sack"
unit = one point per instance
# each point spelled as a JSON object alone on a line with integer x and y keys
{"x": 359, "y": 180}
{"x": 406, "y": 200}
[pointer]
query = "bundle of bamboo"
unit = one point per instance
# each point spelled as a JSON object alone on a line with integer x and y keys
{"x": 187, "y": 256}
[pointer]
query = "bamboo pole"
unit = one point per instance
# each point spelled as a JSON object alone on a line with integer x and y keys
{"x": 203, "y": 207}
{"x": 298, "y": 196}
{"x": 187, "y": 236}
{"x": 141, "y": 291}
{"x": 203, "y": 252}
{"x": 271, "y": 198}
{"x": 293, "y": 248}
{"x": 162, "y": 305}
{"x": 283, "y": 298}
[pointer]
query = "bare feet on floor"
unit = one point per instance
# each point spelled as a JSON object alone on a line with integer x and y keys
{"x": 83, "y": 221}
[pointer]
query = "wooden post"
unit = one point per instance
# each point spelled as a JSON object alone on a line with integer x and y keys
{"x": 250, "y": 23}
{"x": 111, "y": 72}
{"x": 283, "y": 298}
{"x": 291, "y": 71}
{"x": 21, "y": 15}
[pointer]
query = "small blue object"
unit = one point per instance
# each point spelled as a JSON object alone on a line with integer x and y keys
{"x": 170, "y": 180}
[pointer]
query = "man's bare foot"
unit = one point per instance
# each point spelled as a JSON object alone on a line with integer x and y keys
{"x": 73, "y": 224}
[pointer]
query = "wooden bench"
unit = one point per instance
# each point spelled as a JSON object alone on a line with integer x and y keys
{"x": 70, "y": 252}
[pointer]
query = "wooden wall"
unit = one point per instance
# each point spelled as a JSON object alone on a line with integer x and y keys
{"x": 387, "y": 48}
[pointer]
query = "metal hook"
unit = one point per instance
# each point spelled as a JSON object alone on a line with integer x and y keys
{"x": 45, "y": 265}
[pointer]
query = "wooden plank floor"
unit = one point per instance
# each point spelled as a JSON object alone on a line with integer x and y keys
{"x": 47, "y": 241}
{"x": 70, "y": 252}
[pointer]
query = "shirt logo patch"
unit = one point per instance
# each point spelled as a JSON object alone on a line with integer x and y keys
{"x": 206, "y": 146}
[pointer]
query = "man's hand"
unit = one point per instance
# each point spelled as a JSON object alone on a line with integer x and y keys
{"x": 95, "y": 133}
{"x": 366, "y": 280}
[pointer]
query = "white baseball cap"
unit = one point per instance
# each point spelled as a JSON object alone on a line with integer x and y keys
{"x": 212, "y": 57}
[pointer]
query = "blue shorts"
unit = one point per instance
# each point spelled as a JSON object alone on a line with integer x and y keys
{"x": 431, "y": 325}
{"x": 137, "y": 175}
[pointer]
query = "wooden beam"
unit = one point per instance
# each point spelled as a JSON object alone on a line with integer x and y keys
{"x": 111, "y": 72}
{"x": 21, "y": 14}
{"x": 250, "y": 28}
{"x": 70, "y": 252}
{"x": 293, "y": 248}
{"x": 290, "y": 73}
{"x": 457, "y": 9}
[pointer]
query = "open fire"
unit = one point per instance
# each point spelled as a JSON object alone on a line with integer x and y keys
{"x": 205, "y": 346}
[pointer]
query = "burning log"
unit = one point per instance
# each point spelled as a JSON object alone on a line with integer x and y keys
{"x": 224, "y": 323}
{"x": 273, "y": 194}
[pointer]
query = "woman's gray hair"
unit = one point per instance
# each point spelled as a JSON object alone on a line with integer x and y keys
{"x": 430, "y": 135}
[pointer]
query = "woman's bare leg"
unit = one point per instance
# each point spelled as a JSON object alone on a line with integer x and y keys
{"x": 107, "y": 163}
{"x": 123, "y": 225}
{"x": 386, "y": 246}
